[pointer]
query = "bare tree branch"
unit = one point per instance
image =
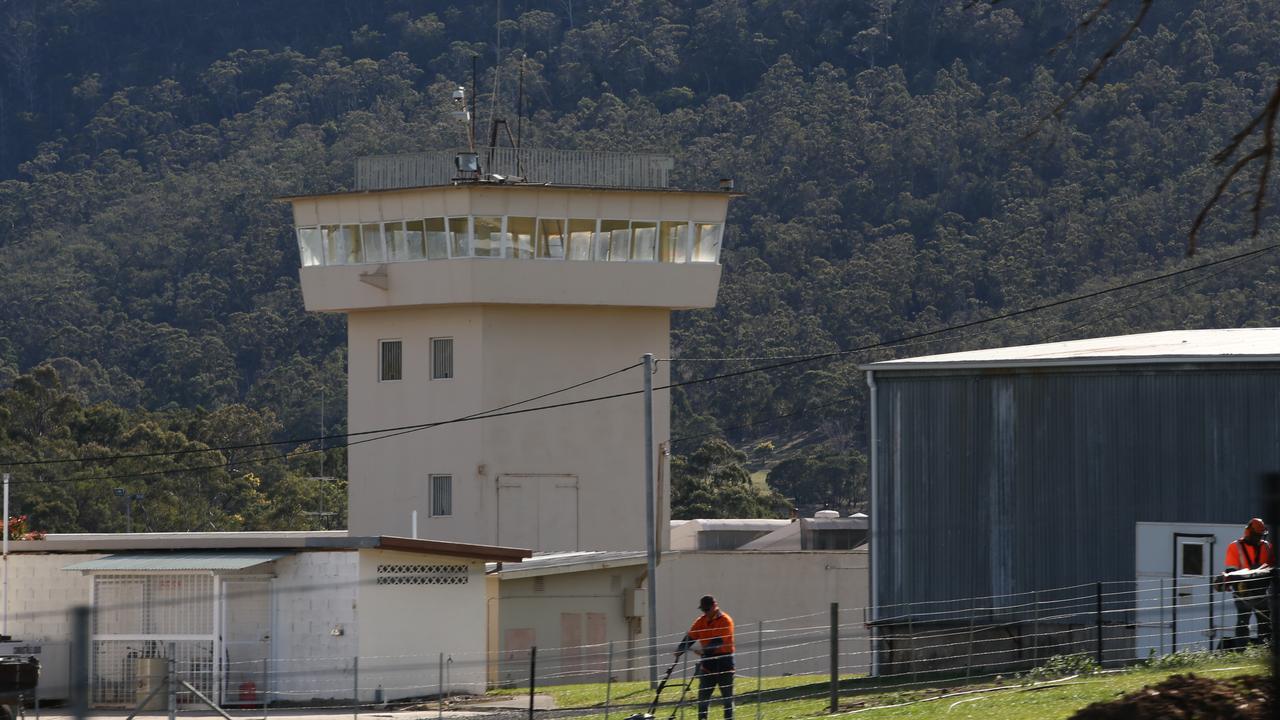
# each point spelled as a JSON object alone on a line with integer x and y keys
{"x": 1267, "y": 120}
{"x": 1092, "y": 76}
{"x": 1266, "y": 151}
{"x": 1081, "y": 26}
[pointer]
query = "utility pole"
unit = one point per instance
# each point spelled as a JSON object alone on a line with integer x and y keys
{"x": 5, "y": 630}
{"x": 650, "y": 515}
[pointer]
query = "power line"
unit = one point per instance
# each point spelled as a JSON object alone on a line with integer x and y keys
{"x": 503, "y": 411}
{"x": 301, "y": 441}
{"x": 974, "y": 323}
{"x": 762, "y": 421}
{"x": 1146, "y": 298}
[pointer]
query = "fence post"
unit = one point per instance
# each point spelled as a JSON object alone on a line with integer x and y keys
{"x": 911, "y": 643}
{"x": 1035, "y": 629}
{"x": 759, "y": 666}
{"x": 684, "y": 680}
{"x": 440, "y": 680}
{"x": 1160, "y": 602}
{"x": 266, "y": 683}
{"x": 80, "y": 661}
{"x": 533, "y": 676}
{"x": 173, "y": 681}
{"x": 1099, "y": 621}
{"x": 973, "y": 616}
{"x": 355, "y": 688}
{"x": 608, "y": 681}
{"x": 835, "y": 657}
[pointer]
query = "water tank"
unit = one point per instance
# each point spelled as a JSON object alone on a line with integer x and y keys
{"x": 152, "y": 674}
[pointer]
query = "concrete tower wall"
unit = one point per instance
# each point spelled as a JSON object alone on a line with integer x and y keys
{"x": 563, "y": 479}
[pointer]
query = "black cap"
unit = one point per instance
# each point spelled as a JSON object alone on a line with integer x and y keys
{"x": 706, "y": 603}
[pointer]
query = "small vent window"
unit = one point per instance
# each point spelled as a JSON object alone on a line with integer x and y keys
{"x": 539, "y": 584}
{"x": 389, "y": 360}
{"x": 441, "y": 495}
{"x": 441, "y": 358}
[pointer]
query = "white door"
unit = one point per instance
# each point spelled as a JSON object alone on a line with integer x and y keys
{"x": 1193, "y": 616}
{"x": 538, "y": 512}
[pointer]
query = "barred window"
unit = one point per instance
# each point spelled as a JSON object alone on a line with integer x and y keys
{"x": 389, "y": 366}
{"x": 441, "y": 495}
{"x": 441, "y": 358}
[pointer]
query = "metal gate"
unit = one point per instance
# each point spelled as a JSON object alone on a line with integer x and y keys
{"x": 144, "y": 617}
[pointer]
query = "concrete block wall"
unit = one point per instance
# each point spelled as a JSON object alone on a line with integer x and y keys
{"x": 413, "y": 607}
{"x": 41, "y": 595}
{"x": 315, "y": 626}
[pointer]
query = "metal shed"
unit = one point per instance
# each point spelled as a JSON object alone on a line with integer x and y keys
{"x": 1001, "y": 473}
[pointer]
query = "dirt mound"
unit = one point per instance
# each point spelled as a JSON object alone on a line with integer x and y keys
{"x": 1186, "y": 696}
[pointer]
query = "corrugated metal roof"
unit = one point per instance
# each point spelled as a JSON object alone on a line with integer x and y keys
{"x": 213, "y": 560}
{"x": 747, "y": 524}
{"x": 562, "y": 562}
{"x": 1173, "y": 346}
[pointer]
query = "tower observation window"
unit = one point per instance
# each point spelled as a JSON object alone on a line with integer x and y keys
{"x": 514, "y": 237}
{"x": 706, "y": 239}
{"x": 551, "y": 239}
{"x": 459, "y": 237}
{"x": 488, "y": 237}
{"x": 519, "y": 238}
{"x": 437, "y": 238}
{"x": 581, "y": 234}
{"x": 644, "y": 241}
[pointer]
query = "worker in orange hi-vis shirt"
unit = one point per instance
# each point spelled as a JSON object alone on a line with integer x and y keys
{"x": 711, "y": 636}
{"x": 1251, "y": 552}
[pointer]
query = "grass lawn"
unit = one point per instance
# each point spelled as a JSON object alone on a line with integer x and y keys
{"x": 806, "y": 696}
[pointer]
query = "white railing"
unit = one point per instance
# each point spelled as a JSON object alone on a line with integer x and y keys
{"x": 532, "y": 165}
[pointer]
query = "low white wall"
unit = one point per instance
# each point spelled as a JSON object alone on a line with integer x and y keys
{"x": 315, "y": 639}
{"x": 561, "y": 614}
{"x": 791, "y": 592}
{"x": 41, "y": 596}
{"x": 413, "y": 607}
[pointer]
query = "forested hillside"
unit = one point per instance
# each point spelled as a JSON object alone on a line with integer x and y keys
{"x": 148, "y": 276}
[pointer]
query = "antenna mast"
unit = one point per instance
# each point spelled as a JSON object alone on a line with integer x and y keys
{"x": 474, "y": 59}
{"x": 520, "y": 104}
{"x": 497, "y": 74}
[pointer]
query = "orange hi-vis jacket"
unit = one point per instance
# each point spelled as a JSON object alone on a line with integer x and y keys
{"x": 716, "y": 632}
{"x": 1244, "y": 556}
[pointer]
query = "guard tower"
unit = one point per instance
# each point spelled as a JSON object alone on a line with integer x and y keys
{"x": 474, "y": 281}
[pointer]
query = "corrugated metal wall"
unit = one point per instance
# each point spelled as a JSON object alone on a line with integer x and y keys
{"x": 997, "y": 482}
